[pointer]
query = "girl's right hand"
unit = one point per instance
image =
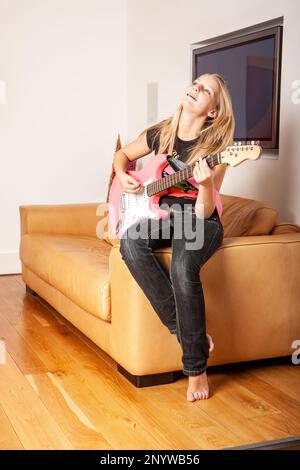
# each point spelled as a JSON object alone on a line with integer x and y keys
{"x": 129, "y": 184}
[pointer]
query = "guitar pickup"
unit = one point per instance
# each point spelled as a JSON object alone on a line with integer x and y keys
{"x": 122, "y": 202}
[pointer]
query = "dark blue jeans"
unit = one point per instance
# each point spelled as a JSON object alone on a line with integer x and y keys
{"x": 177, "y": 297}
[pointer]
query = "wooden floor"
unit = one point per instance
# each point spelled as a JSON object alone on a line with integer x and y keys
{"x": 59, "y": 391}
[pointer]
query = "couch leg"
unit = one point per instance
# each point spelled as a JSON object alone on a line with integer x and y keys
{"x": 29, "y": 290}
{"x": 151, "y": 379}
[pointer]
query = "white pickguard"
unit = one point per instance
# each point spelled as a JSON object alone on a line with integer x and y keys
{"x": 135, "y": 207}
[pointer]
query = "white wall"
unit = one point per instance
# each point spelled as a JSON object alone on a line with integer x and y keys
{"x": 159, "y": 37}
{"x": 65, "y": 66}
{"x": 76, "y": 73}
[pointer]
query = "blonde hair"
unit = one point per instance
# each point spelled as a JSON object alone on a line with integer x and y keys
{"x": 216, "y": 134}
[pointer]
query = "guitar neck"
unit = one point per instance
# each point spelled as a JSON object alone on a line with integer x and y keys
{"x": 168, "y": 181}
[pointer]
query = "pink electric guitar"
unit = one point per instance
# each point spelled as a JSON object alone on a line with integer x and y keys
{"x": 125, "y": 209}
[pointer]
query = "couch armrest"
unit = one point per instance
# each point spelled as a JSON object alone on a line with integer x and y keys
{"x": 256, "y": 279}
{"x": 74, "y": 219}
{"x": 280, "y": 238}
{"x": 284, "y": 227}
{"x": 139, "y": 340}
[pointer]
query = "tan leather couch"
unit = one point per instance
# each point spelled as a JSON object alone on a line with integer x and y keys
{"x": 251, "y": 286}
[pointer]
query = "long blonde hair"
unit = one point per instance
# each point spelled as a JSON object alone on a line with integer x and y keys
{"x": 216, "y": 134}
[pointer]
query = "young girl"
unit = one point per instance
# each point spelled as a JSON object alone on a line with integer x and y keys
{"x": 203, "y": 124}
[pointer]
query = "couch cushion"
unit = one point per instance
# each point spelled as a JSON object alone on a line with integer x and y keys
{"x": 75, "y": 265}
{"x": 242, "y": 216}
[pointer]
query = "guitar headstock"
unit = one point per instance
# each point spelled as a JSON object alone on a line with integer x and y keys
{"x": 241, "y": 151}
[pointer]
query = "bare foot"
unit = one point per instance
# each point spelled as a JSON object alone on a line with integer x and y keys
{"x": 198, "y": 385}
{"x": 198, "y": 388}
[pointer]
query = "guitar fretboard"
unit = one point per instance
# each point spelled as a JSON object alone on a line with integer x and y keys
{"x": 168, "y": 181}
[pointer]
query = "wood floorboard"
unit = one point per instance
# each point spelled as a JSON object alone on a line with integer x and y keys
{"x": 58, "y": 390}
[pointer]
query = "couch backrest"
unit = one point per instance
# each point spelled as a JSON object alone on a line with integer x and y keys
{"x": 242, "y": 216}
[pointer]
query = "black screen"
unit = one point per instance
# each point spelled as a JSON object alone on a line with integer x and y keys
{"x": 249, "y": 71}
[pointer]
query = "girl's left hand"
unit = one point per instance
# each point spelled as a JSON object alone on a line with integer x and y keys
{"x": 202, "y": 173}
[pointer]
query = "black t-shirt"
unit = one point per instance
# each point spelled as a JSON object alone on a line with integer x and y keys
{"x": 181, "y": 147}
{"x": 181, "y": 152}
